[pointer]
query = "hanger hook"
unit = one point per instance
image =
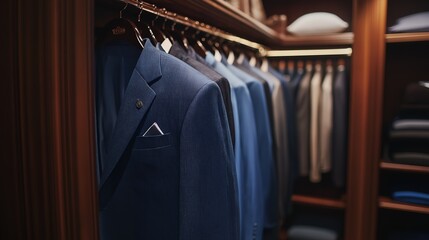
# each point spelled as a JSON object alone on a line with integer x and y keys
{"x": 195, "y": 25}
{"x": 165, "y": 19}
{"x": 140, "y": 13}
{"x": 120, "y": 12}
{"x": 139, "y": 5}
{"x": 156, "y": 15}
{"x": 173, "y": 27}
{"x": 185, "y": 29}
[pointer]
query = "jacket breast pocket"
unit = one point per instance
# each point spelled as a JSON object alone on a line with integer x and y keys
{"x": 153, "y": 142}
{"x": 154, "y": 153}
{"x": 154, "y": 176}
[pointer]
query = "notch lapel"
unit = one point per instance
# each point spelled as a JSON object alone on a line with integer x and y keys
{"x": 137, "y": 101}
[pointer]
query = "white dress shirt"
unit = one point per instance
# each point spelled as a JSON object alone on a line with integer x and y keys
{"x": 326, "y": 118}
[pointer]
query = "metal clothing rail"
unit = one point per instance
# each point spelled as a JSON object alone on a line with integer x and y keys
{"x": 310, "y": 52}
{"x": 162, "y": 12}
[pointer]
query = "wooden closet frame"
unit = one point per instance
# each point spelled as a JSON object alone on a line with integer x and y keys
{"x": 48, "y": 150}
{"x": 48, "y": 153}
{"x": 366, "y": 102}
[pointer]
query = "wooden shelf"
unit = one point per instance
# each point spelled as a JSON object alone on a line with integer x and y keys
{"x": 403, "y": 167}
{"x": 385, "y": 202}
{"x": 407, "y": 37}
{"x": 318, "y": 201}
{"x": 338, "y": 39}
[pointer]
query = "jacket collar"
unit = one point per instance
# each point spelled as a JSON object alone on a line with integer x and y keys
{"x": 136, "y": 102}
{"x": 149, "y": 63}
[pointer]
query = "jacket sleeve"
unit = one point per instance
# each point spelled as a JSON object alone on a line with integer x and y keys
{"x": 208, "y": 192}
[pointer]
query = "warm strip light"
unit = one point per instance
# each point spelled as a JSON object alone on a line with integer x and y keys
{"x": 310, "y": 52}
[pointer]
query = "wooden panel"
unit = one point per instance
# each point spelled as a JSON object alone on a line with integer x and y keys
{"x": 407, "y": 37}
{"x": 403, "y": 167}
{"x": 366, "y": 91}
{"x": 318, "y": 201}
{"x": 385, "y": 202}
{"x": 12, "y": 200}
{"x": 50, "y": 155}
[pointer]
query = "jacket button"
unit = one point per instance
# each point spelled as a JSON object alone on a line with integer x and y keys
{"x": 139, "y": 104}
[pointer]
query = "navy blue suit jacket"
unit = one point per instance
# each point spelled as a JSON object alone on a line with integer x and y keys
{"x": 339, "y": 134}
{"x": 180, "y": 185}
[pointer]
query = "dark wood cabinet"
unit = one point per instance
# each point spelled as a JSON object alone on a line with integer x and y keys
{"x": 405, "y": 60}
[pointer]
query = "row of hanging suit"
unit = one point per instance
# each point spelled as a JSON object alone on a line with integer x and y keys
{"x": 319, "y": 117}
{"x": 317, "y": 111}
{"x": 194, "y": 140}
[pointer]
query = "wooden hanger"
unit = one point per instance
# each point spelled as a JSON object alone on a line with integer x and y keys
{"x": 300, "y": 65}
{"x": 196, "y": 44}
{"x": 291, "y": 66}
{"x": 309, "y": 66}
{"x": 217, "y": 49}
{"x": 165, "y": 42}
{"x": 208, "y": 43}
{"x": 282, "y": 65}
{"x": 231, "y": 55}
{"x": 121, "y": 29}
{"x": 341, "y": 63}
{"x": 178, "y": 35}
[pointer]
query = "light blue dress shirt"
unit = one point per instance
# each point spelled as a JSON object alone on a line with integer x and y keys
{"x": 246, "y": 154}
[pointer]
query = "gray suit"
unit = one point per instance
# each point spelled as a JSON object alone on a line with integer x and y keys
{"x": 303, "y": 121}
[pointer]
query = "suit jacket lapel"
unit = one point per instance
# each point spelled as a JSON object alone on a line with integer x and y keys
{"x": 137, "y": 100}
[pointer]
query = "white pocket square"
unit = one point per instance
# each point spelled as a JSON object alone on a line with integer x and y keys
{"x": 153, "y": 130}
